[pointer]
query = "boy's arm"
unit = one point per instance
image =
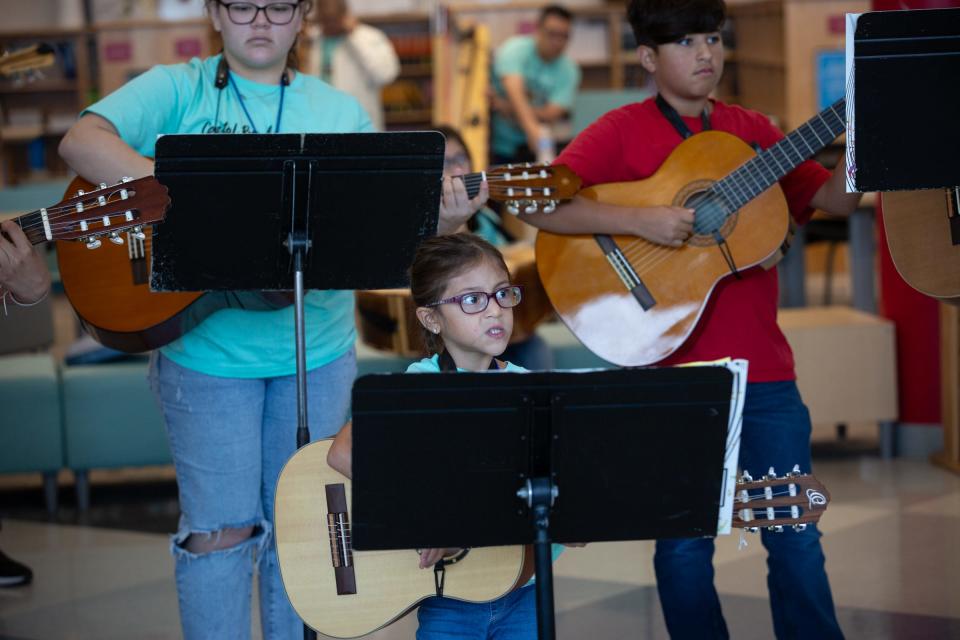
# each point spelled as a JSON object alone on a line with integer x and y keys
{"x": 832, "y": 197}
{"x": 666, "y": 225}
{"x": 340, "y": 455}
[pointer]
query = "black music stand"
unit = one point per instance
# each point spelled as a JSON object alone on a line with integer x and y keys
{"x": 509, "y": 459}
{"x": 248, "y": 209}
{"x": 906, "y": 99}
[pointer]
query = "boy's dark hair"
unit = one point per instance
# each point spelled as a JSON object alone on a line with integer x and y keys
{"x": 440, "y": 259}
{"x": 554, "y": 10}
{"x": 658, "y": 22}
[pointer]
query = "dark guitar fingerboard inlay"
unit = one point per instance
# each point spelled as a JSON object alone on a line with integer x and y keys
{"x": 341, "y": 549}
{"x": 630, "y": 278}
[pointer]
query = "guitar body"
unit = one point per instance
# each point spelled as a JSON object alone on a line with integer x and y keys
{"x": 593, "y": 300}
{"x": 917, "y": 224}
{"x": 109, "y": 288}
{"x": 110, "y": 291}
{"x": 388, "y": 584}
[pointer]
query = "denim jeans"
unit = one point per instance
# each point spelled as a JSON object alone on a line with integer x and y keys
{"x": 512, "y": 617}
{"x": 776, "y": 432}
{"x": 230, "y": 438}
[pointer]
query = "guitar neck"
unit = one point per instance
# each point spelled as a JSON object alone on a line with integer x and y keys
{"x": 472, "y": 182}
{"x": 32, "y": 226}
{"x": 760, "y": 173}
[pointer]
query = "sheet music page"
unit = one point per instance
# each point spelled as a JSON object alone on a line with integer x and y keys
{"x": 731, "y": 457}
{"x": 851, "y": 177}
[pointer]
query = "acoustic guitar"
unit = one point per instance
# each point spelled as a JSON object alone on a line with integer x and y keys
{"x": 344, "y": 593}
{"x": 98, "y": 213}
{"x": 111, "y": 291}
{"x": 923, "y": 233}
{"x": 633, "y": 302}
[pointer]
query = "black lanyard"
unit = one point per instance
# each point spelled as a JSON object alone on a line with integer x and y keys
{"x": 674, "y": 118}
{"x": 447, "y": 364}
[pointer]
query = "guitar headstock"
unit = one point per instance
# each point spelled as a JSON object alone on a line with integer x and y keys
{"x": 26, "y": 63}
{"x": 529, "y": 187}
{"x": 795, "y": 499}
{"x": 106, "y": 211}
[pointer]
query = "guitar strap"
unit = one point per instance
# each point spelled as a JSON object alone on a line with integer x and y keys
{"x": 674, "y": 118}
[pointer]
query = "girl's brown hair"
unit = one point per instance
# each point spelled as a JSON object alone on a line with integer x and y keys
{"x": 440, "y": 259}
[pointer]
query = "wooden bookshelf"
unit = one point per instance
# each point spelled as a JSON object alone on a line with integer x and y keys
{"x": 33, "y": 108}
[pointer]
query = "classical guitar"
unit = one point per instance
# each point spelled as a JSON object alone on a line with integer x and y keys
{"x": 98, "y": 213}
{"x": 345, "y": 593}
{"x": 25, "y": 62}
{"x": 633, "y": 302}
{"x": 111, "y": 292}
{"x": 923, "y": 233}
{"x": 386, "y": 318}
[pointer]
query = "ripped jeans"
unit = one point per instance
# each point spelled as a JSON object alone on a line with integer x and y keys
{"x": 230, "y": 438}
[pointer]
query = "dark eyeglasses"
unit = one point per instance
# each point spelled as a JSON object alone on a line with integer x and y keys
{"x": 477, "y": 301}
{"x": 278, "y": 13}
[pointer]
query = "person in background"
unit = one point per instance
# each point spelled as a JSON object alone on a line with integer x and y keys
{"x": 25, "y": 281}
{"x": 354, "y": 57}
{"x": 534, "y": 83}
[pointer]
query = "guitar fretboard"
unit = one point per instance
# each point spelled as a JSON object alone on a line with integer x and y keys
{"x": 32, "y": 226}
{"x": 760, "y": 173}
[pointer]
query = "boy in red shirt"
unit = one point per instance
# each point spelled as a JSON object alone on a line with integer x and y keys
{"x": 680, "y": 45}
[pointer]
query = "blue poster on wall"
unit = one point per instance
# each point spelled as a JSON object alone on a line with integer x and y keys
{"x": 831, "y": 84}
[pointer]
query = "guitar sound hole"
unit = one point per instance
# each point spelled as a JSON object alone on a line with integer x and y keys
{"x": 710, "y": 216}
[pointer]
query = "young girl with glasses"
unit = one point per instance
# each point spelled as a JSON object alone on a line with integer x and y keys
{"x": 465, "y": 303}
{"x": 227, "y": 387}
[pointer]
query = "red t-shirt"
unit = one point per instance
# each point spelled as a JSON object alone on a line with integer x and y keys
{"x": 740, "y": 319}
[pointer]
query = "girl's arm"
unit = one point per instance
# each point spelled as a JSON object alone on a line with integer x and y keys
{"x": 340, "y": 455}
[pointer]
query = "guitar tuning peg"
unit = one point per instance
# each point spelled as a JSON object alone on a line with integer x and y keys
{"x": 126, "y": 179}
{"x": 795, "y": 471}
{"x": 137, "y": 233}
{"x": 115, "y": 237}
{"x": 746, "y": 477}
{"x": 753, "y": 529}
{"x": 513, "y": 207}
{"x": 776, "y": 528}
{"x": 771, "y": 474}
{"x": 801, "y": 526}
{"x": 550, "y": 207}
{"x": 103, "y": 185}
{"x": 531, "y": 207}
{"x": 93, "y": 243}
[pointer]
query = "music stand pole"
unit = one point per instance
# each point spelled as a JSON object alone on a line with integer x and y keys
{"x": 539, "y": 494}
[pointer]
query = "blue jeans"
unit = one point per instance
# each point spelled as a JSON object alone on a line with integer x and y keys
{"x": 512, "y": 617}
{"x": 776, "y": 432}
{"x": 230, "y": 437}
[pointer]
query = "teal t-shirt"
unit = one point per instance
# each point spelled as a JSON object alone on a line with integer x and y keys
{"x": 553, "y": 82}
{"x": 329, "y": 46}
{"x": 182, "y": 98}
{"x": 432, "y": 365}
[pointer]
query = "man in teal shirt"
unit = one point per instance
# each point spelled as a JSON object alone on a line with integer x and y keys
{"x": 534, "y": 83}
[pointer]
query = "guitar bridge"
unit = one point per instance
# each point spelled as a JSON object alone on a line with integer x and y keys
{"x": 338, "y": 530}
{"x": 628, "y": 276}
